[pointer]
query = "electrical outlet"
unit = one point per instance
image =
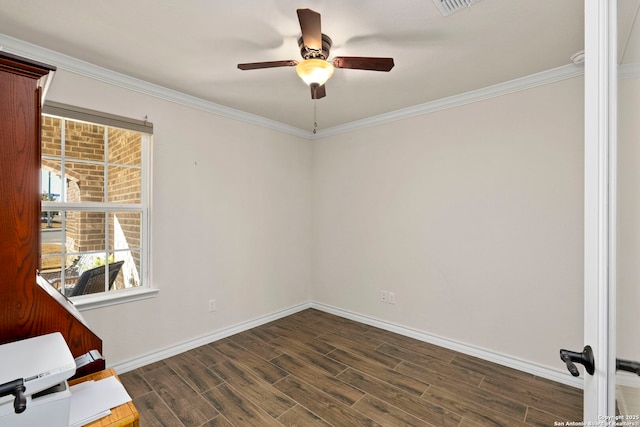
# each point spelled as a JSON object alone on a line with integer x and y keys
{"x": 391, "y": 298}
{"x": 384, "y": 296}
{"x": 212, "y": 305}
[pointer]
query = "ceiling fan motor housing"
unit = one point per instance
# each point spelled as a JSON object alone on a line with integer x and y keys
{"x": 308, "y": 53}
{"x": 315, "y": 70}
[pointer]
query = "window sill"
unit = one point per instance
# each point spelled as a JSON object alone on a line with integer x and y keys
{"x": 90, "y": 302}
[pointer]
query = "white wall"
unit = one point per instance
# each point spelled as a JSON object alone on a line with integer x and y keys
{"x": 473, "y": 216}
{"x": 231, "y": 221}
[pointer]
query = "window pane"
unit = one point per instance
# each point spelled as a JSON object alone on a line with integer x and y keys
{"x": 124, "y": 230}
{"x": 85, "y": 182}
{"x": 51, "y": 264}
{"x": 87, "y": 245}
{"x": 87, "y": 274}
{"x": 51, "y": 182}
{"x": 129, "y": 276}
{"x": 125, "y": 147}
{"x": 51, "y": 260}
{"x": 53, "y": 249}
{"x": 84, "y": 141}
{"x": 85, "y": 231}
{"x": 51, "y": 136}
{"x": 124, "y": 184}
{"x": 51, "y": 227}
{"x": 125, "y": 241}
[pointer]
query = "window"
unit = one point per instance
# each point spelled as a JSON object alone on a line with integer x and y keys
{"x": 95, "y": 209}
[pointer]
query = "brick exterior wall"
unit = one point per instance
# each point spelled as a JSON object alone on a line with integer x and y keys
{"x": 85, "y": 231}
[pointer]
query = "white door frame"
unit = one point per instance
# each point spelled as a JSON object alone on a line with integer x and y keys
{"x": 599, "y": 204}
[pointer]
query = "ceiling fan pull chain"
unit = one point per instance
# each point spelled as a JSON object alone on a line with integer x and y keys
{"x": 315, "y": 122}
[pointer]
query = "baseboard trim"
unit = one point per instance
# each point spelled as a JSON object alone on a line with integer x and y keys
{"x": 174, "y": 350}
{"x": 510, "y": 362}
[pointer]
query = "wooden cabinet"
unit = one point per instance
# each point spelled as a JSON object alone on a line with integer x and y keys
{"x": 26, "y": 309}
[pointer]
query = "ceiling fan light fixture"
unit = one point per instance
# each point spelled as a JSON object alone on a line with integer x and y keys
{"x": 315, "y": 71}
{"x": 314, "y": 46}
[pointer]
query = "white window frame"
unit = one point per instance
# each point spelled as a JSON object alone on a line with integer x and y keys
{"x": 145, "y": 290}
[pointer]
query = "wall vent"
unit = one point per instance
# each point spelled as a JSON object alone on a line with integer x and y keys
{"x": 447, "y": 7}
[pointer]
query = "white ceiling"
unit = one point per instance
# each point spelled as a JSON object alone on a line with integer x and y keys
{"x": 193, "y": 46}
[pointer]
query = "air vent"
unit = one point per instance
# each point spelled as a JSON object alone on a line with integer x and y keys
{"x": 447, "y": 7}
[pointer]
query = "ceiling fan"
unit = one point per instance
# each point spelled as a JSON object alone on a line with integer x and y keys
{"x": 315, "y": 69}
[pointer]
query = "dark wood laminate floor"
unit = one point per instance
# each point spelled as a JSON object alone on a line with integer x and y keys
{"x": 316, "y": 369}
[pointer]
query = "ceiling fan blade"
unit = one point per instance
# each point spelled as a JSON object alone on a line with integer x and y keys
{"x": 363, "y": 63}
{"x": 310, "y": 27}
{"x": 269, "y": 64}
{"x": 318, "y": 92}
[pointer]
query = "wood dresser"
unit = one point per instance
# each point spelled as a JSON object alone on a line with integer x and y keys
{"x": 26, "y": 309}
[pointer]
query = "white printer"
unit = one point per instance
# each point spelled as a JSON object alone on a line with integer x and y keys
{"x": 33, "y": 382}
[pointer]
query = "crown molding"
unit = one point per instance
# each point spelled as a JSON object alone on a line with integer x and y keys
{"x": 500, "y": 89}
{"x": 629, "y": 71}
{"x": 626, "y": 71}
{"x": 77, "y": 66}
{"x": 83, "y": 68}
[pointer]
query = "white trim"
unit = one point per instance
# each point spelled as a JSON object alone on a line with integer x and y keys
{"x": 145, "y": 237}
{"x": 173, "y": 350}
{"x": 106, "y": 299}
{"x": 500, "y": 89}
{"x": 558, "y": 375}
{"x": 86, "y": 69}
{"x": 629, "y": 71}
{"x": 600, "y": 133}
{"x": 77, "y": 66}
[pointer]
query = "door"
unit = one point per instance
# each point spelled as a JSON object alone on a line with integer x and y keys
{"x": 612, "y": 211}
